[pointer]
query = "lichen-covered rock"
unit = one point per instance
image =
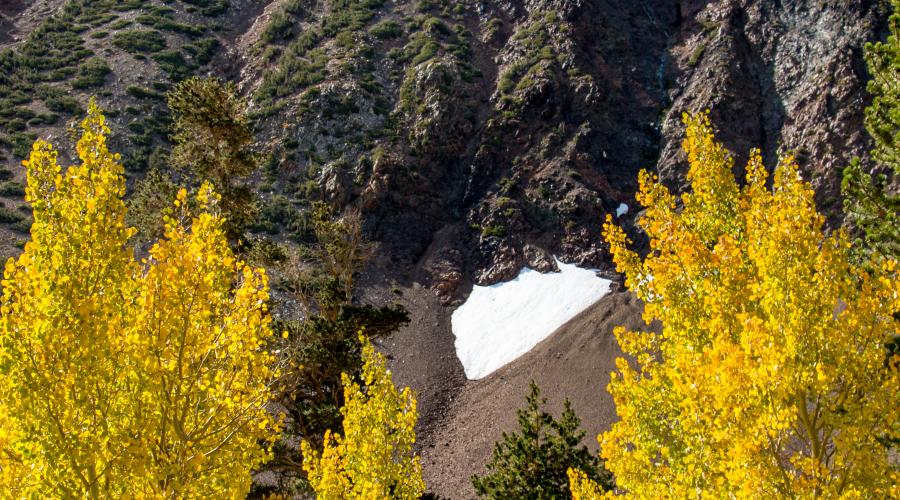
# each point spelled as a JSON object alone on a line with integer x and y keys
{"x": 778, "y": 76}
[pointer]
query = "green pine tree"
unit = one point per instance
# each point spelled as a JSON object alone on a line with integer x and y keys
{"x": 213, "y": 140}
{"x": 532, "y": 462}
{"x": 317, "y": 350}
{"x": 868, "y": 201}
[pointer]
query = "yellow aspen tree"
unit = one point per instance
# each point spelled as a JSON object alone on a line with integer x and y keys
{"x": 13, "y": 473}
{"x": 769, "y": 377}
{"x": 583, "y": 487}
{"x": 374, "y": 457}
{"x": 201, "y": 344}
{"x": 121, "y": 378}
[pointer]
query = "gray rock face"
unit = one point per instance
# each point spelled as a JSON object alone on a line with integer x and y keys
{"x": 527, "y": 141}
{"x": 520, "y": 124}
{"x": 783, "y": 77}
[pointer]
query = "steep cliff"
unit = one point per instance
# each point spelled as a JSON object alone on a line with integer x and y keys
{"x": 475, "y": 136}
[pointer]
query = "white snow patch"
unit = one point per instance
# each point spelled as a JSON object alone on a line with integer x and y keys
{"x": 621, "y": 210}
{"x": 499, "y": 323}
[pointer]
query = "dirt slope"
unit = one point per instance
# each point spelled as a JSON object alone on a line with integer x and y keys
{"x": 461, "y": 420}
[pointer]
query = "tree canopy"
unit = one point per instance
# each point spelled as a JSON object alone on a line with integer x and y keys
{"x": 869, "y": 202}
{"x": 373, "y": 459}
{"x": 126, "y": 378}
{"x": 533, "y": 462}
{"x": 769, "y": 378}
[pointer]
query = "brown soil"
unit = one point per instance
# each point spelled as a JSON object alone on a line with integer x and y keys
{"x": 19, "y": 17}
{"x": 461, "y": 420}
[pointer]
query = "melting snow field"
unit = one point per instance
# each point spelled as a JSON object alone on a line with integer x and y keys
{"x": 499, "y": 323}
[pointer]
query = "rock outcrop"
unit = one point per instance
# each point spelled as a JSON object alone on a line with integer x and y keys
{"x": 520, "y": 124}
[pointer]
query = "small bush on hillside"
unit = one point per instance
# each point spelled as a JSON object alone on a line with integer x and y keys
{"x": 21, "y": 143}
{"x": 386, "y": 30}
{"x": 57, "y": 100}
{"x": 203, "y": 49}
{"x": 139, "y": 41}
{"x": 142, "y": 93}
{"x": 120, "y": 24}
{"x": 16, "y": 124}
{"x": 43, "y": 119}
{"x": 209, "y": 7}
{"x": 166, "y": 24}
{"x": 91, "y": 74}
{"x": 9, "y": 216}
{"x": 12, "y": 188}
{"x": 279, "y": 28}
{"x": 174, "y": 64}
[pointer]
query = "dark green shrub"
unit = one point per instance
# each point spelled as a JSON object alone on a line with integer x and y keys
{"x": 293, "y": 74}
{"x": 345, "y": 39}
{"x": 203, "y": 49}
{"x": 16, "y": 125}
{"x": 9, "y": 216}
{"x": 279, "y": 29}
{"x": 209, "y": 7}
{"x": 349, "y": 14}
{"x": 92, "y": 73}
{"x": 697, "y": 54}
{"x": 275, "y": 213}
{"x": 63, "y": 104}
{"x": 139, "y": 41}
{"x": 174, "y": 64}
{"x": 21, "y": 143}
{"x": 493, "y": 231}
{"x": 120, "y": 24}
{"x": 435, "y": 25}
{"x": 264, "y": 252}
{"x": 137, "y": 127}
{"x": 127, "y": 5}
{"x": 142, "y": 93}
{"x": 12, "y": 188}
{"x": 23, "y": 226}
{"x": 386, "y": 30}
{"x": 297, "y": 7}
{"x": 164, "y": 23}
{"x": 48, "y": 118}
{"x": 429, "y": 50}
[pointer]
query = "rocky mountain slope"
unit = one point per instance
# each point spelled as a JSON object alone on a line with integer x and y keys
{"x": 475, "y": 137}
